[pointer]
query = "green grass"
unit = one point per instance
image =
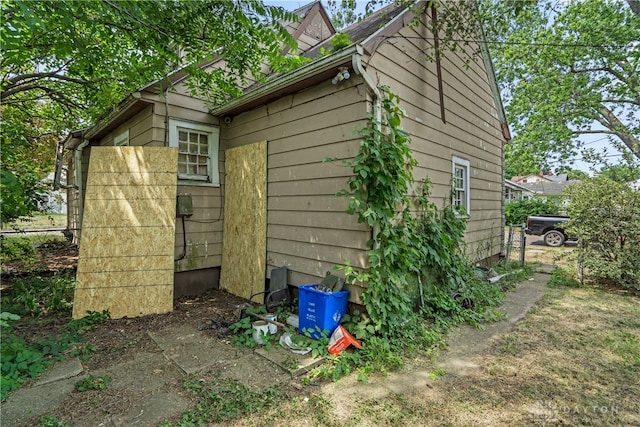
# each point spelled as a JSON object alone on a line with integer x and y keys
{"x": 224, "y": 400}
{"x": 574, "y": 360}
{"x": 37, "y": 221}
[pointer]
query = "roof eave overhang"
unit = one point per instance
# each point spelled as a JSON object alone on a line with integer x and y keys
{"x": 280, "y": 84}
{"x": 133, "y": 104}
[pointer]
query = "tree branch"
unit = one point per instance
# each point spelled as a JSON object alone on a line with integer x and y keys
{"x": 609, "y": 70}
{"x": 593, "y": 132}
{"x": 51, "y": 75}
{"x": 631, "y": 81}
{"x": 635, "y": 6}
{"x": 609, "y": 120}
{"x": 621, "y": 101}
{"x": 51, "y": 93}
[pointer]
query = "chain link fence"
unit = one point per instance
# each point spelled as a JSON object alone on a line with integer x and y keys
{"x": 516, "y": 243}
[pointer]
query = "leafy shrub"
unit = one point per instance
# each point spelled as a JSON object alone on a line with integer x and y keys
{"x": 517, "y": 211}
{"x": 605, "y": 216}
{"x": 21, "y": 360}
{"x": 37, "y": 295}
{"x": 562, "y": 278}
{"x": 16, "y": 248}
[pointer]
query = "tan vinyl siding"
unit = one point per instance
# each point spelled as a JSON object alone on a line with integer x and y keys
{"x": 139, "y": 127}
{"x": 204, "y": 227}
{"x": 472, "y": 131}
{"x": 307, "y": 228}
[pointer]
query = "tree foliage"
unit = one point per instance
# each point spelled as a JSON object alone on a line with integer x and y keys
{"x": 569, "y": 69}
{"x": 343, "y": 13}
{"x": 605, "y": 216}
{"x": 66, "y": 63}
{"x": 623, "y": 172}
{"x": 517, "y": 211}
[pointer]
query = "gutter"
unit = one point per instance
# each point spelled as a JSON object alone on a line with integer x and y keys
{"x": 293, "y": 77}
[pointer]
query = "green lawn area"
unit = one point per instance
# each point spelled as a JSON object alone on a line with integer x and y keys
{"x": 38, "y": 221}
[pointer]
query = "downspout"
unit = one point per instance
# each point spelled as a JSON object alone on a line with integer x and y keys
{"x": 78, "y": 179}
{"x": 57, "y": 178}
{"x": 377, "y": 110}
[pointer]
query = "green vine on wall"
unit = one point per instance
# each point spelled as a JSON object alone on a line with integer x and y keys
{"x": 417, "y": 250}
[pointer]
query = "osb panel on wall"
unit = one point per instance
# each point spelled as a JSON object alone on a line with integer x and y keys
{"x": 125, "y": 263}
{"x": 244, "y": 242}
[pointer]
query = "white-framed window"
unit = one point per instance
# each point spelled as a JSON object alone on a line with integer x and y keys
{"x": 197, "y": 150}
{"x": 121, "y": 139}
{"x": 461, "y": 196}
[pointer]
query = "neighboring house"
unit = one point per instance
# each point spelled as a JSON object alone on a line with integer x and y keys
{"x": 541, "y": 177}
{"x": 513, "y": 191}
{"x": 254, "y": 169}
{"x": 550, "y": 190}
{"x": 54, "y": 201}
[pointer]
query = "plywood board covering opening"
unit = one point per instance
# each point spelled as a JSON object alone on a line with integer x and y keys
{"x": 125, "y": 263}
{"x": 244, "y": 242}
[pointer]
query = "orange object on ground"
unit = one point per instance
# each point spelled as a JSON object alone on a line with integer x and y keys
{"x": 341, "y": 339}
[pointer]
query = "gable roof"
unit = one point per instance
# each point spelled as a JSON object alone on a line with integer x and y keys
{"x": 372, "y": 30}
{"x": 306, "y": 14}
{"x": 549, "y": 188}
{"x": 514, "y": 186}
{"x": 387, "y": 20}
{"x": 365, "y": 36}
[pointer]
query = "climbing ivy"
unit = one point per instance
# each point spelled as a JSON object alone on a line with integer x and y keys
{"x": 416, "y": 260}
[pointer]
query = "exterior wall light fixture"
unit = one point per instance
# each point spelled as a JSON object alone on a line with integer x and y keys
{"x": 343, "y": 74}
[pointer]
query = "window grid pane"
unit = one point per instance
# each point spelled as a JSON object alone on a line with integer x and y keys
{"x": 193, "y": 153}
{"x": 460, "y": 186}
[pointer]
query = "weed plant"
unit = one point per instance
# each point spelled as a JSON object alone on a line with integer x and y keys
{"x": 16, "y": 248}
{"x": 225, "y": 400}
{"x": 35, "y": 296}
{"x": 49, "y": 421}
{"x": 32, "y": 297}
{"x": 561, "y": 278}
{"x": 93, "y": 383}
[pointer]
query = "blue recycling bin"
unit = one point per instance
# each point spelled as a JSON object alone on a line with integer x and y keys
{"x": 318, "y": 309}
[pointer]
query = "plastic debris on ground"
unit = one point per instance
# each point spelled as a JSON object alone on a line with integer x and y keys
{"x": 287, "y": 342}
{"x": 341, "y": 339}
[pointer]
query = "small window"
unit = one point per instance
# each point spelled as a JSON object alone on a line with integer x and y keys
{"x": 121, "y": 139}
{"x": 197, "y": 150}
{"x": 460, "y": 182}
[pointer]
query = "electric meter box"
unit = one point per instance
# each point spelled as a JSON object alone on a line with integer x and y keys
{"x": 184, "y": 206}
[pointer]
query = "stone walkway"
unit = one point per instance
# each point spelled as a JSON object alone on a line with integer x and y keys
{"x": 181, "y": 350}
